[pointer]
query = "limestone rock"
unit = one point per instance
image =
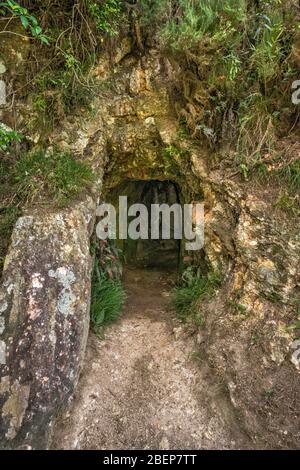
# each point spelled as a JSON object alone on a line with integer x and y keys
{"x": 123, "y": 50}
{"x": 44, "y": 301}
{"x": 47, "y": 273}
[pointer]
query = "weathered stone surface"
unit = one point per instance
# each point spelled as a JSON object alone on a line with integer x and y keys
{"x": 246, "y": 338}
{"x": 44, "y": 305}
{"x": 123, "y": 50}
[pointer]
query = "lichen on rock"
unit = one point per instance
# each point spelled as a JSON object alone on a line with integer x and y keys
{"x": 45, "y": 307}
{"x": 133, "y": 134}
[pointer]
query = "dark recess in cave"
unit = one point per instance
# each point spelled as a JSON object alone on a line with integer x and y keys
{"x": 162, "y": 254}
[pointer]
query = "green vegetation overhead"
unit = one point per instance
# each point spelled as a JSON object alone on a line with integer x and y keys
{"x": 236, "y": 61}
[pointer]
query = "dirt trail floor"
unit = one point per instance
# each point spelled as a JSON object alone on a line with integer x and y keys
{"x": 143, "y": 386}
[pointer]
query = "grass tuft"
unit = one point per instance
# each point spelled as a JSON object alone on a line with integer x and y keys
{"x": 56, "y": 176}
{"x": 290, "y": 176}
{"x": 108, "y": 298}
{"x": 194, "y": 288}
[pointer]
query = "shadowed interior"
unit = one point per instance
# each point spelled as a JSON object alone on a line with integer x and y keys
{"x": 149, "y": 253}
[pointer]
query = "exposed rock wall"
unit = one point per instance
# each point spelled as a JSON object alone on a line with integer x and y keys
{"x": 45, "y": 294}
{"x": 246, "y": 338}
{"x": 44, "y": 305}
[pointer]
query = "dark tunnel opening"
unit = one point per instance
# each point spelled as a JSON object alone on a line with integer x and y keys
{"x": 149, "y": 253}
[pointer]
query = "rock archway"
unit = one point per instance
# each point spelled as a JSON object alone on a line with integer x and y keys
{"x": 149, "y": 252}
{"x": 132, "y": 132}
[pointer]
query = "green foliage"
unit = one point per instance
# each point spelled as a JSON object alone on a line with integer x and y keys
{"x": 108, "y": 298}
{"x": 238, "y": 308}
{"x": 8, "y": 217}
{"x": 28, "y": 21}
{"x": 108, "y": 257}
{"x": 217, "y": 19}
{"x": 194, "y": 287}
{"x": 296, "y": 324}
{"x": 289, "y": 175}
{"x": 107, "y": 15}
{"x": 256, "y": 126}
{"x": 232, "y": 64}
{"x": 234, "y": 59}
{"x": 267, "y": 51}
{"x": 8, "y": 207}
{"x": 155, "y": 11}
{"x": 7, "y": 137}
{"x": 172, "y": 152}
{"x": 286, "y": 177}
{"x": 108, "y": 295}
{"x": 58, "y": 92}
{"x": 58, "y": 79}
{"x": 272, "y": 296}
{"x": 197, "y": 356}
{"x": 173, "y": 160}
{"x": 53, "y": 176}
{"x": 289, "y": 204}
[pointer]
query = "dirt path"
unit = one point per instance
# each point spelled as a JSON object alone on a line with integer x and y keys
{"x": 141, "y": 387}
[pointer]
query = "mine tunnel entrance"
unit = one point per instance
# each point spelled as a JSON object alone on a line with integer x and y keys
{"x": 149, "y": 253}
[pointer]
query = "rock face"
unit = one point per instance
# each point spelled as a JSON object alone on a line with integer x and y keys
{"x": 45, "y": 294}
{"x": 246, "y": 339}
{"x": 249, "y": 342}
{"x": 44, "y": 305}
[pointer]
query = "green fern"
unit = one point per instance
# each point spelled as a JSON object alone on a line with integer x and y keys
{"x": 108, "y": 297}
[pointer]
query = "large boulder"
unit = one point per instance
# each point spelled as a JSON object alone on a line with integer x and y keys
{"x": 44, "y": 321}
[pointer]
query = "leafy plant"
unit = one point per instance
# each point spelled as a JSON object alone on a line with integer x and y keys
{"x": 233, "y": 65}
{"x": 108, "y": 257}
{"x": 296, "y": 324}
{"x": 290, "y": 176}
{"x": 256, "y": 127}
{"x": 59, "y": 92}
{"x": 53, "y": 176}
{"x": 288, "y": 204}
{"x": 28, "y": 21}
{"x": 7, "y": 137}
{"x": 108, "y": 297}
{"x": 197, "y": 356}
{"x": 197, "y": 19}
{"x": 235, "y": 305}
{"x": 8, "y": 217}
{"x": 107, "y": 15}
{"x": 273, "y": 296}
{"x": 172, "y": 152}
{"x": 268, "y": 48}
